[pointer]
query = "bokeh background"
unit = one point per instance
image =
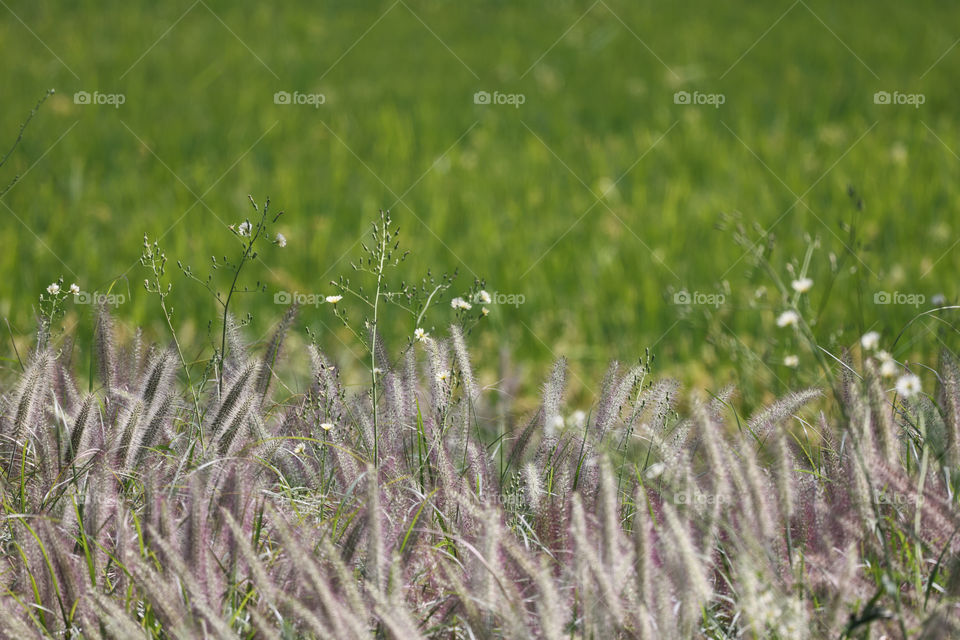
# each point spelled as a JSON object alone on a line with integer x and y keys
{"x": 598, "y": 199}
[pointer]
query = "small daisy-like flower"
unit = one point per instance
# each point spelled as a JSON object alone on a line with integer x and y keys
{"x": 333, "y": 299}
{"x": 888, "y": 368}
{"x": 791, "y": 361}
{"x": 460, "y": 303}
{"x": 484, "y": 297}
{"x": 377, "y": 371}
{"x": 655, "y": 470}
{"x": 802, "y": 285}
{"x": 53, "y": 289}
{"x": 326, "y": 426}
{"x": 484, "y": 311}
{"x": 300, "y": 448}
{"x": 420, "y": 335}
{"x": 244, "y": 228}
{"x": 788, "y": 319}
{"x": 281, "y": 240}
{"x": 870, "y": 340}
{"x": 74, "y": 288}
{"x": 443, "y": 376}
{"x": 908, "y": 385}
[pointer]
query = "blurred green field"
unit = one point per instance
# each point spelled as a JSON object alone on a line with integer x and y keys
{"x": 598, "y": 199}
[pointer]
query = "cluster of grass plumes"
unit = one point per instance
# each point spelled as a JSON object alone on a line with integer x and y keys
{"x": 136, "y": 510}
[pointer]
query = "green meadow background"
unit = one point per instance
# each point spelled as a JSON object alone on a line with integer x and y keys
{"x": 597, "y": 200}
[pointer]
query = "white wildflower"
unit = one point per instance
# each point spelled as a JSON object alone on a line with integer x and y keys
{"x": 908, "y": 385}
{"x": 788, "y": 318}
{"x": 300, "y": 448}
{"x": 420, "y": 335}
{"x": 484, "y": 311}
{"x": 870, "y": 340}
{"x": 802, "y": 285}
{"x": 74, "y": 288}
{"x": 326, "y": 426}
{"x": 888, "y": 368}
{"x": 443, "y": 376}
{"x": 53, "y": 289}
{"x": 281, "y": 240}
{"x": 244, "y": 228}
{"x": 333, "y": 299}
{"x": 460, "y": 303}
{"x": 791, "y": 361}
{"x": 484, "y": 297}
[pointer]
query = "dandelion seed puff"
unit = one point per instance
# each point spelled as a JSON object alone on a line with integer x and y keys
{"x": 281, "y": 240}
{"x": 888, "y": 368}
{"x": 244, "y": 228}
{"x": 74, "y": 288}
{"x": 791, "y": 361}
{"x": 53, "y": 289}
{"x": 326, "y": 426}
{"x": 802, "y": 285}
{"x": 870, "y": 340}
{"x": 788, "y": 318}
{"x": 484, "y": 297}
{"x": 460, "y": 303}
{"x": 333, "y": 299}
{"x": 908, "y": 385}
{"x": 420, "y": 335}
